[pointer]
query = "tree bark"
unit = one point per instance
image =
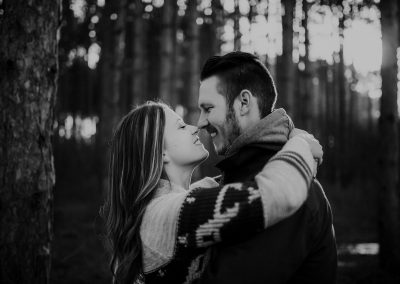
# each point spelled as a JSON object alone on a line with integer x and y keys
{"x": 236, "y": 27}
{"x": 342, "y": 150}
{"x": 285, "y": 67}
{"x": 306, "y": 91}
{"x": 389, "y": 177}
{"x": 217, "y": 26}
{"x": 139, "y": 67}
{"x": 193, "y": 59}
{"x": 28, "y": 75}
{"x": 168, "y": 38}
{"x": 113, "y": 53}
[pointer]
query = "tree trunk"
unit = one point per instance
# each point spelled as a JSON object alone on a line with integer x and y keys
{"x": 236, "y": 27}
{"x": 306, "y": 91}
{"x": 217, "y": 26}
{"x": 113, "y": 52}
{"x": 193, "y": 60}
{"x": 342, "y": 150}
{"x": 28, "y": 75}
{"x": 168, "y": 38}
{"x": 389, "y": 177}
{"x": 285, "y": 67}
{"x": 138, "y": 75}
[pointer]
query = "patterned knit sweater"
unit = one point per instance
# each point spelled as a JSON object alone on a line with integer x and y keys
{"x": 179, "y": 225}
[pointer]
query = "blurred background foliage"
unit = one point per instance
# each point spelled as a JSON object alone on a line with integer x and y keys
{"x": 325, "y": 57}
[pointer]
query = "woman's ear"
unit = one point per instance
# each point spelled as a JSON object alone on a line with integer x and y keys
{"x": 166, "y": 158}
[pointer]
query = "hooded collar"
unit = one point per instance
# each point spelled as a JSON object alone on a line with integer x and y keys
{"x": 270, "y": 131}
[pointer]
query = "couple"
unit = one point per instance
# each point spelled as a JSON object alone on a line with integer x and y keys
{"x": 265, "y": 220}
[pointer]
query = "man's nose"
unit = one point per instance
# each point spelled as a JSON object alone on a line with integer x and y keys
{"x": 202, "y": 122}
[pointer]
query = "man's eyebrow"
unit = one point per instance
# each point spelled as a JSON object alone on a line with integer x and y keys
{"x": 204, "y": 105}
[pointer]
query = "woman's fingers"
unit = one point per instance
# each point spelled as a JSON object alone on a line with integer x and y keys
{"x": 315, "y": 146}
{"x": 296, "y": 131}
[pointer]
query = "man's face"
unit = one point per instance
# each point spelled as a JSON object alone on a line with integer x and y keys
{"x": 215, "y": 116}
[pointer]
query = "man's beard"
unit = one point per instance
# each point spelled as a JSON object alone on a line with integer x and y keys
{"x": 233, "y": 131}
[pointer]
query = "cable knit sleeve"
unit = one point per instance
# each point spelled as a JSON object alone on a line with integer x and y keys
{"x": 235, "y": 211}
{"x": 177, "y": 224}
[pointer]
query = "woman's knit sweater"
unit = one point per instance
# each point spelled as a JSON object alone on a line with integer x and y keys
{"x": 180, "y": 225}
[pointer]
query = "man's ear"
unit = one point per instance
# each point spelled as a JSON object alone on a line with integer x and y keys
{"x": 244, "y": 101}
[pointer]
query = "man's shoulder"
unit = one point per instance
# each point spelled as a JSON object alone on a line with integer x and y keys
{"x": 317, "y": 204}
{"x": 317, "y": 194}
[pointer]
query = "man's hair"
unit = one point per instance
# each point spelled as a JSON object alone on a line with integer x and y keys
{"x": 238, "y": 71}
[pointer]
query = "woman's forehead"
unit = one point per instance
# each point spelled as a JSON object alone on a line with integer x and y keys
{"x": 171, "y": 116}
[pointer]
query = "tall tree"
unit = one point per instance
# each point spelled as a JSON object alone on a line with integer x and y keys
{"x": 137, "y": 69}
{"x": 341, "y": 153}
{"x": 389, "y": 225}
{"x": 168, "y": 60}
{"x": 28, "y": 74}
{"x": 305, "y": 92}
{"x": 113, "y": 51}
{"x": 236, "y": 27}
{"x": 285, "y": 68}
{"x": 193, "y": 59}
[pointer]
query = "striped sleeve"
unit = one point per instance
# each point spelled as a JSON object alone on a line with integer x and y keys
{"x": 236, "y": 211}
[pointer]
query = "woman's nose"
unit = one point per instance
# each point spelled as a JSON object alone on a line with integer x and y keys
{"x": 195, "y": 130}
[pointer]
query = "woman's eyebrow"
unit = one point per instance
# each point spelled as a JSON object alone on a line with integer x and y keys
{"x": 178, "y": 121}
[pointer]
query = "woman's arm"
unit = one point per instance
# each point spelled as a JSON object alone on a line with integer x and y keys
{"x": 236, "y": 211}
{"x": 178, "y": 223}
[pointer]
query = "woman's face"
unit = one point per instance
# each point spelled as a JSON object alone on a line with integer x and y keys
{"x": 182, "y": 145}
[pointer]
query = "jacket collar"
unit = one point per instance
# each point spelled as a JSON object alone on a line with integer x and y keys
{"x": 271, "y": 133}
{"x": 271, "y": 130}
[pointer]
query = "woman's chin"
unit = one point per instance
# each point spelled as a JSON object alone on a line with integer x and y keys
{"x": 202, "y": 157}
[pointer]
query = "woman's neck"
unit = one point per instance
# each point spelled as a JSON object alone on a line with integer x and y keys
{"x": 180, "y": 176}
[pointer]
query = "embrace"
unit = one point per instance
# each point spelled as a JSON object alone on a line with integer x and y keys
{"x": 266, "y": 219}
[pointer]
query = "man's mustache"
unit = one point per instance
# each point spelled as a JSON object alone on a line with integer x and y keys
{"x": 210, "y": 129}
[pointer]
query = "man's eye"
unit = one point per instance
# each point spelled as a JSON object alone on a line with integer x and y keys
{"x": 208, "y": 109}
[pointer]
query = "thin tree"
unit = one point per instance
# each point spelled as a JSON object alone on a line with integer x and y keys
{"x": 389, "y": 235}
{"x": 28, "y": 75}
{"x": 168, "y": 60}
{"x": 306, "y": 116}
{"x": 236, "y": 27}
{"x": 193, "y": 59}
{"x": 285, "y": 67}
{"x": 112, "y": 60}
{"x": 139, "y": 68}
{"x": 341, "y": 153}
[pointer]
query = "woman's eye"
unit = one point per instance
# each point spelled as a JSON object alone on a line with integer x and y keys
{"x": 182, "y": 126}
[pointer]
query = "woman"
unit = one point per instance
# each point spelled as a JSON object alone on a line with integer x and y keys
{"x": 161, "y": 232}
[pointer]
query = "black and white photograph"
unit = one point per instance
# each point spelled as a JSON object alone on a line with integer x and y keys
{"x": 199, "y": 141}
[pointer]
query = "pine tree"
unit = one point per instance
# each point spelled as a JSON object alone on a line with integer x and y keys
{"x": 28, "y": 75}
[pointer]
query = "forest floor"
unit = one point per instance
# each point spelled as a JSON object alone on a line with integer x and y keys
{"x": 79, "y": 255}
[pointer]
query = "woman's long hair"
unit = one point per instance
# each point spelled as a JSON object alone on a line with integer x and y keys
{"x": 136, "y": 165}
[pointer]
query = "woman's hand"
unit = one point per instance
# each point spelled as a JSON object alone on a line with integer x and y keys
{"x": 315, "y": 146}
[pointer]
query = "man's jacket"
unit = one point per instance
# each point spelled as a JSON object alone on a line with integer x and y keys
{"x": 300, "y": 249}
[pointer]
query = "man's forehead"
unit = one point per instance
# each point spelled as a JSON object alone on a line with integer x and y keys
{"x": 207, "y": 98}
{"x": 210, "y": 91}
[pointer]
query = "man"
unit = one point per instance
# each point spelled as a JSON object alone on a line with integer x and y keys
{"x": 237, "y": 98}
